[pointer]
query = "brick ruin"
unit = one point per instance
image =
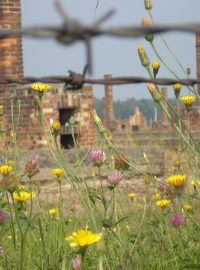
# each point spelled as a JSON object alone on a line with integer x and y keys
{"x": 135, "y": 121}
{"x": 58, "y": 104}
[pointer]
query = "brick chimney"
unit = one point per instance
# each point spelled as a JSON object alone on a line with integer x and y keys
{"x": 11, "y": 59}
{"x": 165, "y": 95}
{"x": 198, "y": 60}
{"x": 108, "y": 110}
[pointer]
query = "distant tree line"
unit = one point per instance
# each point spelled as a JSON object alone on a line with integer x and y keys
{"x": 123, "y": 109}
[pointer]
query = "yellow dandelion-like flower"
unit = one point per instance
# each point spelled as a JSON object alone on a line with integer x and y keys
{"x": 11, "y": 163}
{"x": 83, "y": 238}
{"x": 41, "y": 87}
{"x": 163, "y": 203}
{"x": 23, "y": 196}
{"x": 56, "y": 126}
{"x": 178, "y": 163}
{"x": 195, "y": 182}
{"x": 176, "y": 180}
{"x": 147, "y": 179}
{"x": 157, "y": 196}
{"x": 6, "y": 169}
{"x": 53, "y": 211}
{"x": 188, "y": 207}
{"x": 187, "y": 101}
{"x": 131, "y": 195}
{"x": 21, "y": 187}
{"x": 58, "y": 172}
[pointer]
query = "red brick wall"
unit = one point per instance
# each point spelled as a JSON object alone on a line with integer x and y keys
{"x": 29, "y": 132}
{"x": 108, "y": 110}
{"x": 164, "y": 92}
{"x": 198, "y": 60}
{"x": 11, "y": 60}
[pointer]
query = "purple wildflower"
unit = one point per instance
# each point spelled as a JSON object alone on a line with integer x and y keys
{"x": 1, "y": 250}
{"x": 115, "y": 178}
{"x": 177, "y": 220}
{"x": 3, "y": 216}
{"x": 97, "y": 157}
{"x": 31, "y": 166}
{"x": 76, "y": 263}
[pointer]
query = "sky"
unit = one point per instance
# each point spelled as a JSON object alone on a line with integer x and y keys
{"x": 110, "y": 55}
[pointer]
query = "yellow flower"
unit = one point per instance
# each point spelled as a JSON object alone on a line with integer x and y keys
{"x": 163, "y": 203}
{"x": 41, "y": 87}
{"x": 21, "y": 187}
{"x": 157, "y": 196}
{"x": 56, "y": 126}
{"x": 188, "y": 101}
{"x": 131, "y": 195}
{"x": 177, "y": 86}
{"x": 177, "y": 89}
{"x": 188, "y": 207}
{"x": 147, "y": 179}
{"x": 83, "y": 238}
{"x": 53, "y": 211}
{"x": 11, "y": 163}
{"x": 178, "y": 163}
{"x": 5, "y": 170}
{"x": 156, "y": 66}
{"x": 22, "y": 196}
{"x": 195, "y": 182}
{"x": 176, "y": 180}
{"x": 58, "y": 172}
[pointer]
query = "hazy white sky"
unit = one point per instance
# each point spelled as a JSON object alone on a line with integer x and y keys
{"x": 110, "y": 56}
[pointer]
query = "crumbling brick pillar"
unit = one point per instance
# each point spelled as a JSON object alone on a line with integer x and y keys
{"x": 198, "y": 60}
{"x": 164, "y": 119}
{"x": 15, "y": 98}
{"x": 108, "y": 110}
{"x": 11, "y": 59}
{"x": 87, "y": 131}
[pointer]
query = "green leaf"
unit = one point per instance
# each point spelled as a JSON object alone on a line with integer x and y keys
{"x": 120, "y": 220}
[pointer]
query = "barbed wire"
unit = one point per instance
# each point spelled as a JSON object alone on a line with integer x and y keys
{"x": 76, "y": 80}
{"x": 72, "y": 31}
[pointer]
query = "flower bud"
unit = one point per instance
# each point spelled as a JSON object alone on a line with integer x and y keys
{"x": 177, "y": 89}
{"x": 188, "y": 71}
{"x": 146, "y": 22}
{"x": 1, "y": 110}
{"x": 148, "y": 4}
{"x": 156, "y": 95}
{"x": 155, "y": 67}
{"x": 143, "y": 56}
{"x": 56, "y": 128}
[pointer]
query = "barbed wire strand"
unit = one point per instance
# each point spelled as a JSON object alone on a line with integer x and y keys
{"x": 78, "y": 80}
